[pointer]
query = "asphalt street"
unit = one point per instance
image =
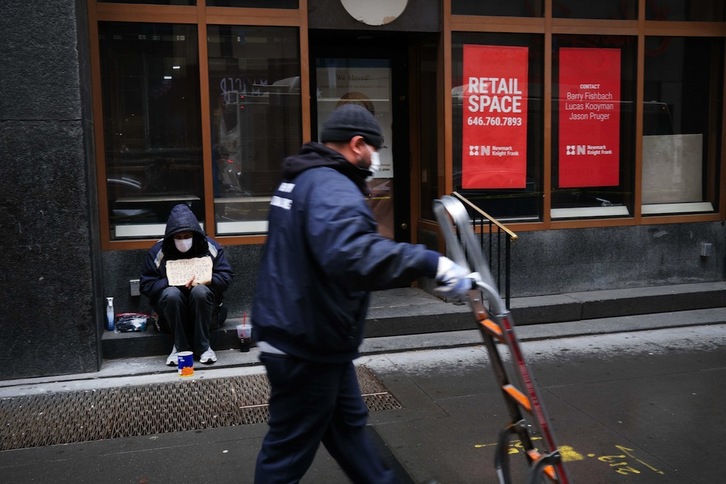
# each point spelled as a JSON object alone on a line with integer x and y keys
{"x": 626, "y": 407}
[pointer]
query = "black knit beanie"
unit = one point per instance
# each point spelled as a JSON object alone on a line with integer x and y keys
{"x": 352, "y": 120}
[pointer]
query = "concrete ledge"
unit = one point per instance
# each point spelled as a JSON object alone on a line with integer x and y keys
{"x": 617, "y": 302}
{"x": 649, "y": 300}
{"x": 414, "y": 311}
{"x": 151, "y": 342}
{"x": 411, "y": 311}
{"x": 549, "y": 309}
{"x": 535, "y": 332}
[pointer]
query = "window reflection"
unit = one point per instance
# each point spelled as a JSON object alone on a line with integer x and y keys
{"x": 152, "y": 134}
{"x": 510, "y": 202}
{"x": 688, "y": 10}
{"x": 153, "y": 2}
{"x": 254, "y": 3}
{"x": 254, "y": 84}
{"x": 683, "y": 85}
{"x": 593, "y": 125}
{"x": 511, "y": 8}
{"x": 602, "y": 9}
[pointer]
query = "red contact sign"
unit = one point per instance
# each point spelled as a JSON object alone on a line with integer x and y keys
{"x": 589, "y": 112}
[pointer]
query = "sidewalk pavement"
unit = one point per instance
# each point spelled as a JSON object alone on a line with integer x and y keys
{"x": 152, "y": 369}
{"x": 630, "y": 399}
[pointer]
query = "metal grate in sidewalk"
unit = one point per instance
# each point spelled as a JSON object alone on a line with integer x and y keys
{"x": 80, "y": 416}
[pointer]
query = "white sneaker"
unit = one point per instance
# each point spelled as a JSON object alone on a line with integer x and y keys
{"x": 172, "y": 359}
{"x": 208, "y": 357}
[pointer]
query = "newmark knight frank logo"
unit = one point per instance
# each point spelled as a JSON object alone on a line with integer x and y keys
{"x": 476, "y": 150}
{"x": 575, "y": 150}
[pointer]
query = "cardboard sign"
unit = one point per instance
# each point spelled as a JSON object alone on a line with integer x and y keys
{"x": 589, "y": 111}
{"x": 494, "y": 110}
{"x": 179, "y": 272}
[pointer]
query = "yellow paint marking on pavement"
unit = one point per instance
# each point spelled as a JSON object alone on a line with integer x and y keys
{"x": 624, "y": 464}
{"x": 569, "y": 454}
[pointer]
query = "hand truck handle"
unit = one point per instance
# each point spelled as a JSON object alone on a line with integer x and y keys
{"x": 452, "y": 217}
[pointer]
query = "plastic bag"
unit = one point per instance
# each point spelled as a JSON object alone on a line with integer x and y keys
{"x": 129, "y": 322}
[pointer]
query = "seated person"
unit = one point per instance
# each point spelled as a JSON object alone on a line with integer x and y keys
{"x": 187, "y": 309}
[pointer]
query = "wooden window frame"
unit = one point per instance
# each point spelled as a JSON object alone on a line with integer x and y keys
{"x": 549, "y": 26}
{"x": 201, "y": 16}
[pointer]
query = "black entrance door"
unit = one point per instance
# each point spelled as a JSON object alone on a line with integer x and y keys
{"x": 370, "y": 69}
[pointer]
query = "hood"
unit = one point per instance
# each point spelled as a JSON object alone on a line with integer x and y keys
{"x": 182, "y": 219}
{"x": 314, "y": 155}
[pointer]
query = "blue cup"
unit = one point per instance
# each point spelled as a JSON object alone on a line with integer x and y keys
{"x": 185, "y": 363}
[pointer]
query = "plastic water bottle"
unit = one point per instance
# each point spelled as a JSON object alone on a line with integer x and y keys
{"x": 110, "y": 326}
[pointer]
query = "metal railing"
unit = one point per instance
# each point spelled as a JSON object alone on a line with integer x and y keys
{"x": 495, "y": 241}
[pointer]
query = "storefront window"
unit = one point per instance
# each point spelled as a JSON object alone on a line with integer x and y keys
{"x": 511, "y": 8}
{"x": 254, "y": 91}
{"x": 497, "y": 99}
{"x": 602, "y": 9}
{"x": 153, "y": 2}
{"x": 593, "y": 125}
{"x": 217, "y": 3}
{"x": 681, "y": 125}
{"x": 254, "y": 3}
{"x": 686, "y": 10}
{"x": 152, "y": 132}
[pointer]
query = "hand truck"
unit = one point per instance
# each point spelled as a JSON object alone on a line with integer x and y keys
{"x": 496, "y": 326}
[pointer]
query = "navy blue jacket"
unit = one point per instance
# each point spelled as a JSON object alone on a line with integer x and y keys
{"x": 153, "y": 275}
{"x": 322, "y": 257}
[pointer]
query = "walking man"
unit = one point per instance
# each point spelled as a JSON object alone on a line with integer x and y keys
{"x": 322, "y": 258}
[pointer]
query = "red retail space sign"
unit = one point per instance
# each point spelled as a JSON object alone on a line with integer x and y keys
{"x": 494, "y": 110}
{"x": 589, "y": 145}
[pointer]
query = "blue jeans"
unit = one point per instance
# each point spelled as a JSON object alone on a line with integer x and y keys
{"x": 188, "y": 312}
{"x": 312, "y": 403}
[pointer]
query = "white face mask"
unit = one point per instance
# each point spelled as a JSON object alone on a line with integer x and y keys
{"x": 183, "y": 245}
{"x": 375, "y": 162}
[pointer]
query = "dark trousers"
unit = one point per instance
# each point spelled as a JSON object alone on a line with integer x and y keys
{"x": 312, "y": 403}
{"x": 188, "y": 312}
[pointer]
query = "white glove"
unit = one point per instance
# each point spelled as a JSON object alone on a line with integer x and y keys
{"x": 453, "y": 280}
